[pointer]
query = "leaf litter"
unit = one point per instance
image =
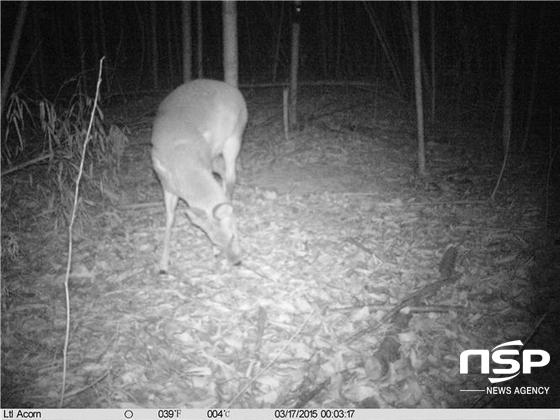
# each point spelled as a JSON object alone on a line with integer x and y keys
{"x": 346, "y": 296}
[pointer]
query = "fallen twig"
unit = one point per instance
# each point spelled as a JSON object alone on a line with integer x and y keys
{"x": 26, "y": 164}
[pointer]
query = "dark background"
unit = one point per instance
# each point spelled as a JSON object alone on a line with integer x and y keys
{"x": 338, "y": 41}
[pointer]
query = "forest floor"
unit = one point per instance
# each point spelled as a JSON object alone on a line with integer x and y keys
{"x": 361, "y": 282}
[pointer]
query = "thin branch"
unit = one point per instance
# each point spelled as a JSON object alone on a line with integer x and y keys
{"x": 70, "y": 228}
{"x": 26, "y": 164}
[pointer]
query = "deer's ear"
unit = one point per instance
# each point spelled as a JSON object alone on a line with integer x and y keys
{"x": 223, "y": 211}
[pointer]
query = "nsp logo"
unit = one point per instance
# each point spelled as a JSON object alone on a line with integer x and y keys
{"x": 502, "y": 355}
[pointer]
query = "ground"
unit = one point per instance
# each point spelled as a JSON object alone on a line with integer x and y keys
{"x": 338, "y": 231}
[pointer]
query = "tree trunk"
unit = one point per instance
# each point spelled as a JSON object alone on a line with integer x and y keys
{"x": 508, "y": 78}
{"x": 433, "y": 57}
{"x": 418, "y": 88}
{"x": 294, "y": 66}
{"x": 7, "y": 77}
{"x": 170, "y": 14}
{"x": 187, "y": 40}
{"x": 229, "y": 16}
{"x": 323, "y": 31}
{"x": 509, "y": 67}
{"x": 199, "y": 40}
